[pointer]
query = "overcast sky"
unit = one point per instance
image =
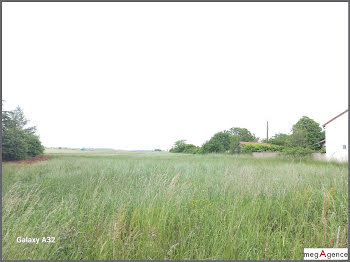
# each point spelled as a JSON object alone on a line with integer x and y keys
{"x": 143, "y": 75}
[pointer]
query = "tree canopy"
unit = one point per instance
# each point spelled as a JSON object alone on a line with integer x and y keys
{"x": 18, "y": 140}
{"x": 305, "y": 137}
{"x": 234, "y": 144}
{"x": 219, "y": 143}
{"x": 244, "y": 134}
{"x": 279, "y": 139}
{"x": 312, "y": 131}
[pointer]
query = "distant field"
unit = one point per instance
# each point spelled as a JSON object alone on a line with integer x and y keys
{"x": 134, "y": 205}
{"x": 49, "y": 151}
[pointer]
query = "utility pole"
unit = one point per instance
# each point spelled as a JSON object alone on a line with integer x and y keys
{"x": 267, "y": 132}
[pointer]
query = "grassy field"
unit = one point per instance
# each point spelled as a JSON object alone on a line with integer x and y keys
{"x": 134, "y": 205}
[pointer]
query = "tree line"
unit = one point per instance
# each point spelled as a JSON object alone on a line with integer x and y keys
{"x": 305, "y": 138}
{"x": 18, "y": 140}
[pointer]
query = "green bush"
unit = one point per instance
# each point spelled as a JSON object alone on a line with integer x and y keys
{"x": 250, "y": 148}
{"x": 14, "y": 145}
{"x": 190, "y": 149}
{"x": 34, "y": 145}
{"x": 297, "y": 151}
{"x": 18, "y": 141}
{"x": 312, "y": 133}
{"x": 180, "y": 146}
{"x": 223, "y": 138}
{"x": 212, "y": 146}
{"x": 279, "y": 139}
{"x": 244, "y": 134}
{"x": 17, "y": 145}
{"x": 234, "y": 144}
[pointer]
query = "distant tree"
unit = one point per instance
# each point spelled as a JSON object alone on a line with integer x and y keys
{"x": 234, "y": 144}
{"x": 313, "y": 132}
{"x": 34, "y": 146}
{"x": 298, "y": 139}
{"x": 219, "y": 143}
{"x": 191, "y": 149}
{"x": 18, "y": 140}
{"x": 223, "y": 138}
{"x": 178, "y": 147}
{"x": 157, "y": 150}
{"x": 14, "y": 146}
{"x": 20, "y": 121}
{"x": 180, "y": 143}
{"x": 212, "y": 146}
{"x": 279, "y": 139}
{"x": 243, "y": 134}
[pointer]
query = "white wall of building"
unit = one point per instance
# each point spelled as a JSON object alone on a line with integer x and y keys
{"x": 337, "y": 138}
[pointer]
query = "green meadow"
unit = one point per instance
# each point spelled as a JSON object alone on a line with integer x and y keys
{"x": 157, "y": 205}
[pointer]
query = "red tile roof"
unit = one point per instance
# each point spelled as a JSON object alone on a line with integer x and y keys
{"x": 335, "y": 117}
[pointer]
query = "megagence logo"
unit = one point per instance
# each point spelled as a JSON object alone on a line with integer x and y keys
{"x": 325, "y": 254}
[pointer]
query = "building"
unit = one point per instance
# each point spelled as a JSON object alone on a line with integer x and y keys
{"x": 337, "y": 137}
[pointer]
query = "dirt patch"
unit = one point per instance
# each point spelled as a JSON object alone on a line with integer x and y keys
{"x": 28, "y": 161}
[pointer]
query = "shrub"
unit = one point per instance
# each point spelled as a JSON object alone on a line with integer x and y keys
{"x": 297, "y": 139}
{"x": 212, "y": 146}
{"x": 181, "y": 147}
{"x": 312, "y": 132}
{"x": 14, "y": 145}
{"x": 219, "y": 143}
{"x": 234, "y": 144}
{"x": 223, "y": 138}
{"x": 190, "y": 149}
{"x": 178, "y": 147}
{"x": 279, "y": 139}
{"x": 297, "y": 151}
{"x": 18, "y": 140}
{"x": 34, "y": 145}
{"x": 244, "y": 134}
{"x": 250, "y": 148}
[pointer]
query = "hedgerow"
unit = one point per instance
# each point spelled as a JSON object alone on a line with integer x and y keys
{"x": 250, "y": 148}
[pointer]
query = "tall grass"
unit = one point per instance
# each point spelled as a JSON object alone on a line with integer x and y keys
{"x": 172, "y": 206}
